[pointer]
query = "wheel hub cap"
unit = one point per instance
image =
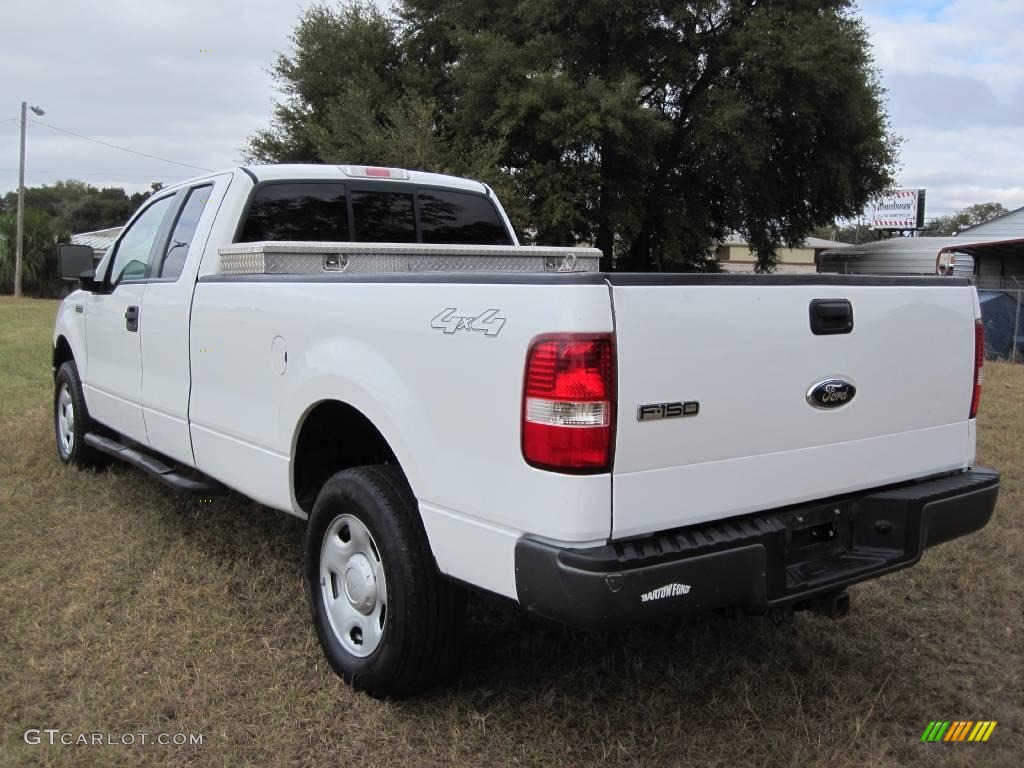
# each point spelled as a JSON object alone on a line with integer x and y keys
{"x": 352, "y": 585}
{"x": 65, "y": 420}
{"x": 361, "y": 584}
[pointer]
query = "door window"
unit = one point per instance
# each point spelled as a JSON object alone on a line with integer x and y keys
{"x": 136, "y": 245}
{"x": 173, "y": 258}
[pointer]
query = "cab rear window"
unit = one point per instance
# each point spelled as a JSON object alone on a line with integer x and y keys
{"x": 307, "y": 211}
{"x": 458, "y": 217}
{"x": 383, "y": 217}
{"x": 297, "y": 212}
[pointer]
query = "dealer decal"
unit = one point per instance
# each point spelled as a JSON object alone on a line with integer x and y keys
{"x": 669, "y": 590}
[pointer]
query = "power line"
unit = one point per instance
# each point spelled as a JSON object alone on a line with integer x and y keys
{"x": 123, "y": 149}
{"x": 99, "y": 174}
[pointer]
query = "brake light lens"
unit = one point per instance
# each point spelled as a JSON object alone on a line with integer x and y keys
{"x": 979, "y": 361}
{"x": 569, "y": 403}
{"x": 374, "y": 172}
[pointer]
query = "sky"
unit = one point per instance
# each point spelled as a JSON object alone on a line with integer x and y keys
{"x": 187, "y": 81}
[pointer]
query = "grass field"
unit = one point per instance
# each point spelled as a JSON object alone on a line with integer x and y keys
{"x": 126, "y": 609}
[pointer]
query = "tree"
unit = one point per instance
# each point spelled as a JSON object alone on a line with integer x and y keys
{"x": 39, "y": 264}
{"x": 650, "y": 130}
{"x": 80, "y": 207}
{"x": 845, "y": 232}
{"x": 970, "y": 216}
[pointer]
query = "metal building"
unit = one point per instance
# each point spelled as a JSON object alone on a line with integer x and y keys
{"x": 735, "y": 255}
{"x": 99, "y": 240}
{"x": 895, "y": 256}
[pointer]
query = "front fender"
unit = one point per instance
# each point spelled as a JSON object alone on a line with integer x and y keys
{"x": 70, "y": 324}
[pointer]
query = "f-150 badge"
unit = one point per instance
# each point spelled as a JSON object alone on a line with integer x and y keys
{"x": 651, "y": 411}
{"x": 450, "y": 321}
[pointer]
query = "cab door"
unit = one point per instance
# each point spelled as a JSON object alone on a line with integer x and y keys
{"x": 166, "y": 354}
{"x": 113, "y": 377}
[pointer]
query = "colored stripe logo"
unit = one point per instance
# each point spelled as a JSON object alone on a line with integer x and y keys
{"x": 958, "y": 730}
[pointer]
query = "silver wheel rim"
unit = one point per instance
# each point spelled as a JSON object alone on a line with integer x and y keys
{"x": 352, "y": 585}
{"x": 65, "y": 421}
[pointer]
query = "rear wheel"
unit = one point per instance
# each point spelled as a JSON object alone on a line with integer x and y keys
{"x": 389, "y": 623}
{"x": 71, "y": 420}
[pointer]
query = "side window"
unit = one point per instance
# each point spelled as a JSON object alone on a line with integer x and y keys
{"x": 297, "y": 211}
{"x": 456, "y": 218}
{"x": 136, "y": 244}
{"x": 384, "y": 217}
{"x": 173, "y": 258}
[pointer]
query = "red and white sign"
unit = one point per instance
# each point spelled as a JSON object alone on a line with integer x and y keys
{"x": 899, "y": 209}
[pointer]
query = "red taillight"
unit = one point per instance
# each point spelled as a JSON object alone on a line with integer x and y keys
{"x": 979, "y": 361}
{"x": 569, "y": 403}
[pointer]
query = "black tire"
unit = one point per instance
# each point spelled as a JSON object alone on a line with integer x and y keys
{"x": 74, "y": 451}
{"x": 424, "y": 617}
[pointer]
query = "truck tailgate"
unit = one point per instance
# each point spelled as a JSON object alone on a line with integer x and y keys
{"x": 743, "y": 349}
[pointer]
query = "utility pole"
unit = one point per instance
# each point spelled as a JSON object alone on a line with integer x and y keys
{"x": 20, "y": 236}
{"x": 19, "y": 244}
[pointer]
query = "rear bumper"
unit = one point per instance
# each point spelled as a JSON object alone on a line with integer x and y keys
{"x": 756, "y": 562}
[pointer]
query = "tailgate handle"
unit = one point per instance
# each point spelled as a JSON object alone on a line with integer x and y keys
{"x": 831, "y": 316}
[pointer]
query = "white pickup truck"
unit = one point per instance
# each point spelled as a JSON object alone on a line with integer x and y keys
{"x": 371, "y": 350}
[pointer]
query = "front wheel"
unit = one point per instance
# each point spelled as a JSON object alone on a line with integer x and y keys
{"x": 71, "y": 420}
{"x": 389, "y": 623}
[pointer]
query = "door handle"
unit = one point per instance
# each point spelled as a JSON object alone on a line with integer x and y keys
{"x": 131, "y": 319}
{"x": 831, "y": 316}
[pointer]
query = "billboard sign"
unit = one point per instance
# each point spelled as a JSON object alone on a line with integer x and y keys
{"x": 899, "y": 209}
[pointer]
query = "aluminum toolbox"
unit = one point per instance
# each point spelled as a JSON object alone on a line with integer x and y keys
{"x": 313, "y": 258}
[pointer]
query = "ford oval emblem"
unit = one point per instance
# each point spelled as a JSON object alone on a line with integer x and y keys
{"x": 831, "y": 393}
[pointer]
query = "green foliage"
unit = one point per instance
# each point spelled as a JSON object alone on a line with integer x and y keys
{"x": 970, "y": 216}
{"x": 650, "y": 130}
{"x": 42, "y": 233}
{"x": 849, "y": 232}
{"x": 80, "y": 207}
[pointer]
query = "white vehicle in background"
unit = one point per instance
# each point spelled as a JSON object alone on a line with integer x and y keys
{"x": 370, "y": 349}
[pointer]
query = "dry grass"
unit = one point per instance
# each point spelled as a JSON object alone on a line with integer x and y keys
{"x": 126, "y": 608}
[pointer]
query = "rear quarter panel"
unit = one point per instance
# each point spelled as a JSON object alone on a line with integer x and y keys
{"x": 448, "y": 403}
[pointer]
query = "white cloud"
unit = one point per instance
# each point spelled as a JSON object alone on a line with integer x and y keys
{"x": 965, "y": 166}
{"x": 184, "y": 80}
{"x": 974, "y": 38}
{"x": 955, "y": 76}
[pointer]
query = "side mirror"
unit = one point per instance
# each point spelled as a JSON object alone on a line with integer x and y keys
{"x": 76, "y": 262}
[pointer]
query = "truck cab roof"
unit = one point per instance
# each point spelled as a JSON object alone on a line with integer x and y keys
{"x": 297, "y": 171}
{"x": 329, "y": 172}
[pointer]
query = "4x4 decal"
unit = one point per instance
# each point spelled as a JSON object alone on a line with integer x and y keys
{"x": 487, "y": 322}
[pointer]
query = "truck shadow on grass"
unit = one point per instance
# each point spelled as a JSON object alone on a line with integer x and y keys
{"x": 512, "y": 656}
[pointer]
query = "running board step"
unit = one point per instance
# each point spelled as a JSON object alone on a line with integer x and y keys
{"x": 151, "y": 465}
